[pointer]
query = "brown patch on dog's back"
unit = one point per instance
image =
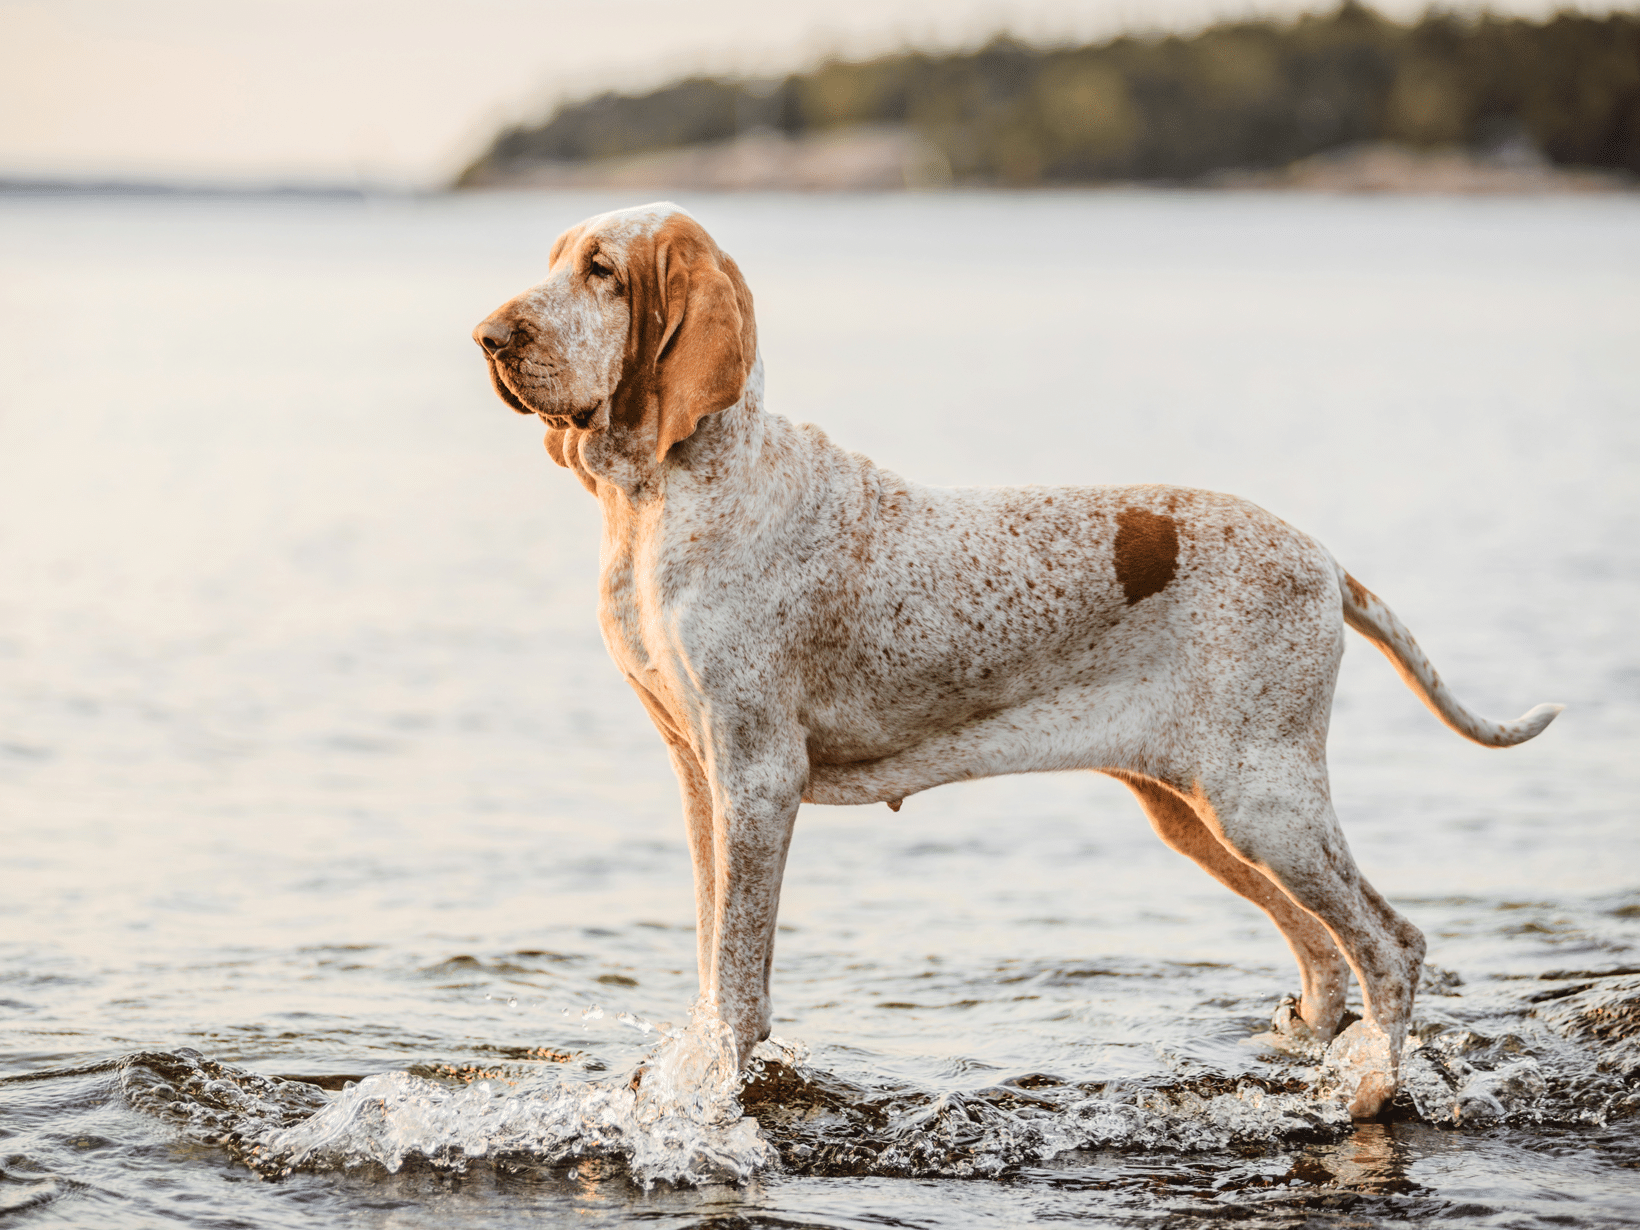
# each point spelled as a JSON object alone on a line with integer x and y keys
{"x": 1147, "y": 552}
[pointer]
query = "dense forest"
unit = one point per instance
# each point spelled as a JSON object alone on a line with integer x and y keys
{"x": 1246, "y": 94}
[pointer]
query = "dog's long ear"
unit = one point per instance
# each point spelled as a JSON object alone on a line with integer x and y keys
{"x": 709, "y": 342}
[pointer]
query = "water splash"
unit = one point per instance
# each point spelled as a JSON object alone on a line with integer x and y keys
{"x": 824, "y": 1125}
{"x": 674, "y": 1118}
{"x": 1568, "y": 1054}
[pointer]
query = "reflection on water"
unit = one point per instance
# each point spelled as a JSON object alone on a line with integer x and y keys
{"x": 333, "y": 844}
{"x": 1370, "y": 1160}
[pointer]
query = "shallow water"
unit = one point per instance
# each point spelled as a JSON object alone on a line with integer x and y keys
{"x": 333, "y": 845}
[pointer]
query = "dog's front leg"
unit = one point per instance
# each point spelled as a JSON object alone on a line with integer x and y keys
{"x": 754, "y": 805}
{"x": 696, "y": 790}
{"x": 697, "y": 821}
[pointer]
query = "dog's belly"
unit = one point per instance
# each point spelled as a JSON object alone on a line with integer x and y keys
{"x": 874, "y": 712}
{"x": 1111, "y": 726}
{"x": 1090, "y": 693}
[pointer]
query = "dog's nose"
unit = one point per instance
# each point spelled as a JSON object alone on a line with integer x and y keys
{"x": 492, "y": 335}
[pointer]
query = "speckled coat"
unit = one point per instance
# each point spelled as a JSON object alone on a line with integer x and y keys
{"x": 803, "y": 625}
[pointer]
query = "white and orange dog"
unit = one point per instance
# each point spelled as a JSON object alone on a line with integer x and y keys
{"x": 804, "y": 626}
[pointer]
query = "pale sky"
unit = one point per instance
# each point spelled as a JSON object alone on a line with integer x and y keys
{"x": 407, "y": 91}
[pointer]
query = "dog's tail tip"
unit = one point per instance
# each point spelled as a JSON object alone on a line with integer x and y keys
{"x": 1528, "y": 726}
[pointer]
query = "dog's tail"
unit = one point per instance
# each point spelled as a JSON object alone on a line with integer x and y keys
{"x": 1366, "y": 613}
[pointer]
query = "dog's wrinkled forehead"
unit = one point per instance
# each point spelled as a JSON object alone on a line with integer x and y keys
{"x": 616, "y": 230}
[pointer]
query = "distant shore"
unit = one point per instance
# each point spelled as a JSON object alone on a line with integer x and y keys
{"x": 1346, "y": 101}
{"x": 883, "y": 158}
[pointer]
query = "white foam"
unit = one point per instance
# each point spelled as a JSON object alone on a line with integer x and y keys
{"x": 673, "y": 1119}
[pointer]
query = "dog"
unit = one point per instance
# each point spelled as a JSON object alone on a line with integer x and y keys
{"x": 804, "y": 626}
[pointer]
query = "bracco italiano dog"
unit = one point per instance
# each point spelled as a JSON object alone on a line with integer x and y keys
{"x": 803, "y": 626}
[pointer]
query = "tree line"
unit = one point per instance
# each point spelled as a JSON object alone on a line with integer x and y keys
{"x": 1245, "y": 94}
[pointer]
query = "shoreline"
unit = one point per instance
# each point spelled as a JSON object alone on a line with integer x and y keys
{"x": 883, "y": 161}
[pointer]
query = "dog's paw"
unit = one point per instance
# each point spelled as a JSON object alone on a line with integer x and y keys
{"x": 700, "y": 1061}
{"x": 1371, "y": 1096}
{"x": 1357, "y": 1069}
{"x": 1289, "y": 1033}
{"x": 1288, "y": 1021}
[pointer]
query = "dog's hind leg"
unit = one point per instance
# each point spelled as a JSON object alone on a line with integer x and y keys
{"x": 1281, "y": 821}
{"x": 1322, "y": 970}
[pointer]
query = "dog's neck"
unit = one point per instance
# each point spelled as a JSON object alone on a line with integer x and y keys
{"x": 617, "y": 463}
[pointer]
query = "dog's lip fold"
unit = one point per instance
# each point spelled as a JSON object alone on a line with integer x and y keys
{"x": 514, "y": 402}
{"x": 576, "y": 418}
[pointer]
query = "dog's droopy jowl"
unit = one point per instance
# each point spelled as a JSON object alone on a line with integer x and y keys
{"x": 802, "y": 625}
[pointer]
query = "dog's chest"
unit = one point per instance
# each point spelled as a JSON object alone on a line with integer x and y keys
{"x": 663, "y": 609}
{"x": 626, "y": 604}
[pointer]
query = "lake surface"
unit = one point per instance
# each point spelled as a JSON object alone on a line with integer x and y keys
{"x": 341, "y": 877}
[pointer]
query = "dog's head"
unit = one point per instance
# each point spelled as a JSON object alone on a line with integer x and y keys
{"x": 641, "y": 328}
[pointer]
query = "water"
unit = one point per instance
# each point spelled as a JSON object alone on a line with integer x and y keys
{"x": 342, "y": 878}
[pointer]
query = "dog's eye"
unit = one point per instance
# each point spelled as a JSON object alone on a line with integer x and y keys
{"x": 596, "y": 268}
